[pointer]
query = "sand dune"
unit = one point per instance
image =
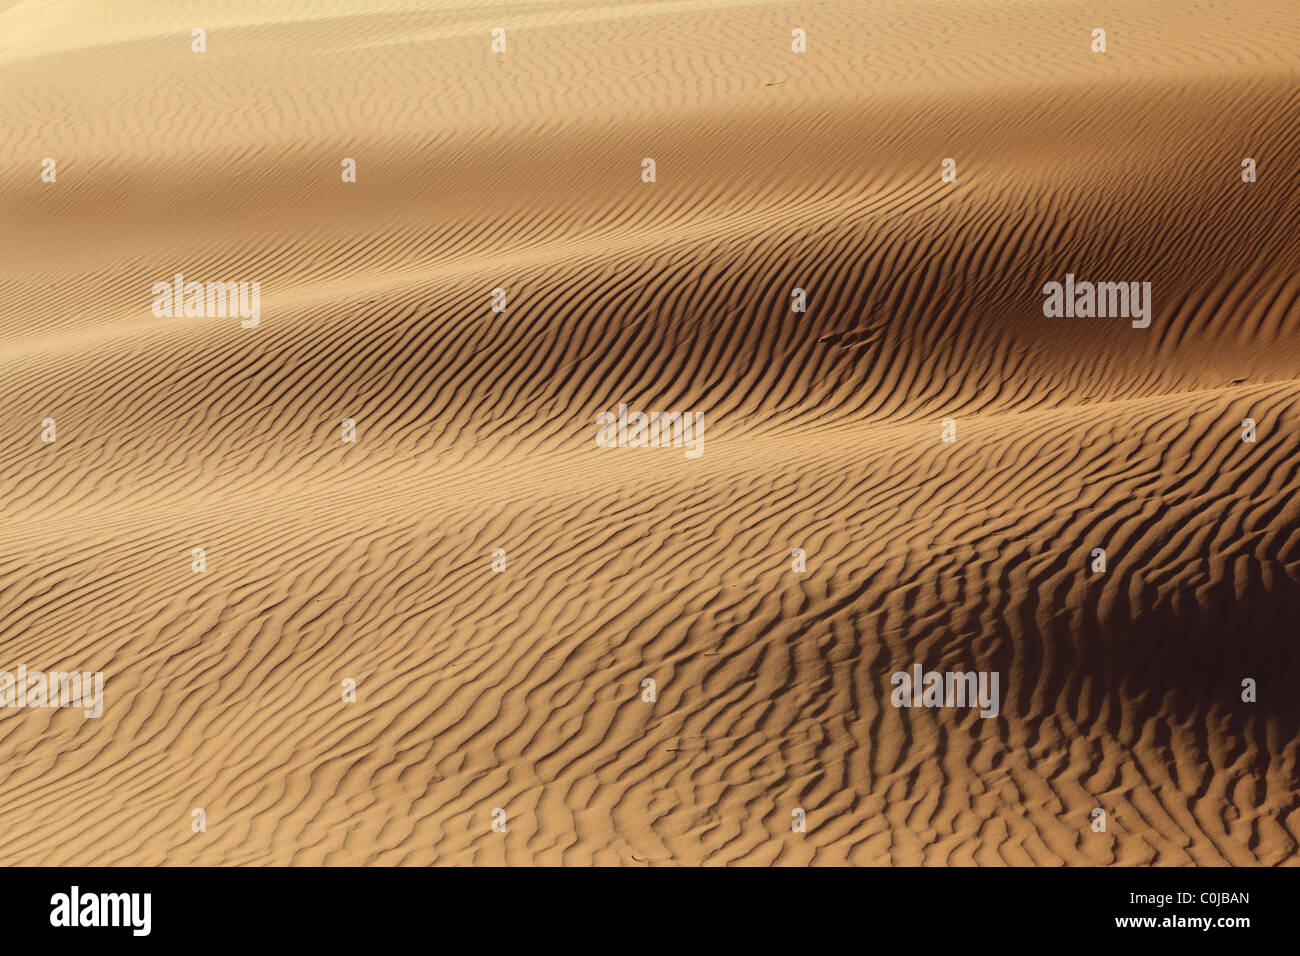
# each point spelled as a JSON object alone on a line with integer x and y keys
{"x": 372, "y": 560}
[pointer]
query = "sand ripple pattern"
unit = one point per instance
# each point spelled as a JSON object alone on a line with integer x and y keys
{"x": 521, "y": 690}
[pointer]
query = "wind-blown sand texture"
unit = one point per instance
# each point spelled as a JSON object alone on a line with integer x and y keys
{"x": 476, "y": 430}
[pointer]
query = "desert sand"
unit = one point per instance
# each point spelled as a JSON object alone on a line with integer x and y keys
{"x": 521, "y": 690}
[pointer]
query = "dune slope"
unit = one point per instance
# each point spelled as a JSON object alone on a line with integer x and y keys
{"x": 372, "y": 561}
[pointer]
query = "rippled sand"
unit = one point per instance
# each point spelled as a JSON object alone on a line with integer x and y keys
{"x": 522, "y": 691}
